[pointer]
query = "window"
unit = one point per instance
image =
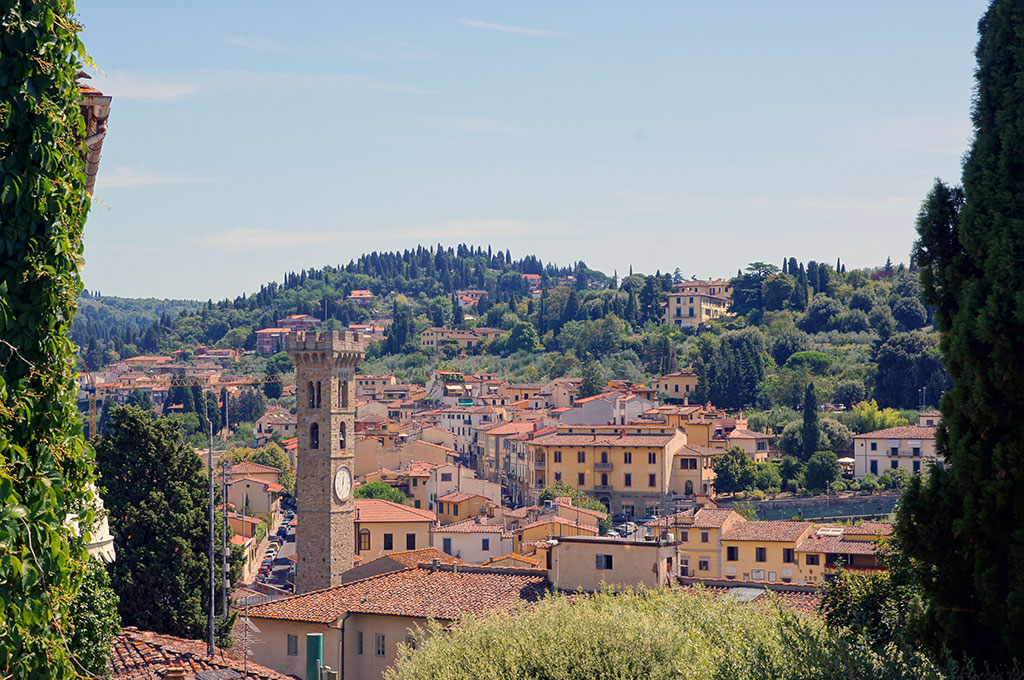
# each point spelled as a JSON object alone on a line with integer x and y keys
{"x": 380, "y": 645}
{"x": 684, "y": 535}
{"x": 705, "y": 537}
{"x": 558, "y": 476}
{"x": 579, "y": 479}
{"x": 446, "y": 476}
{"x": 604, "y": 456}
{"x": 704, "y": 564}
{"x": 341, "y": 437}
{"x": 312, "y": 395}
{"x": 917, "y": 450}
{"x": 732, "y": 554}
{"x": 652, "y": 480}
{"x": 485, "y": 544}
{"x": 415, "y": 481}
{"x": 652, "y": 458}
{"x": 558, "y": 456}
{"x": 604, "y": 479}
{"x": 604, "y": 562}
{"x": 318, "y": 394}
{"x": 917, "y": 466}
{"x": 874, "y": 446}
{"x": 410, "y": 539}
{"x": 761, "y": 554}
{"x": 446, "y": 545}
{"x": 894, "y": 464}
{"x": 874, "y": 467}
{"x": 581, "y": 457}
{"x": 455, "y": 509}
{"x": 788, "y": 556}
{"x": 389, "y": 541}
{"x": 359, "y": 642}
{"x": 811, "y": 559}
{"x": 627, "y": 480}
{"x": 293, "y": 645}
{"x": 416, "y": 503}
{"x": 627, "y": 457}
{"x": 677, "y": 384}
{"x": 314, "y": 436}
{"x": 691, "y": 311}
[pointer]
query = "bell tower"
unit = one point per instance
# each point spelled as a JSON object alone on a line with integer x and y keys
{"x": 325, "y": 365}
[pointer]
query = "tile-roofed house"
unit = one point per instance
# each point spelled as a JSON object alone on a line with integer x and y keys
{"x": 379, "y": 510}
{"x": 383, "y": 527}
{"x": 398, "y": 561}
{"x": 910, "y": 447}
{"x": 141, "y": 655}
{"x": 774, "y": 531}
{"x": 868, "y": 529}
{"x": 515, "y": 561}
{"x": 473, "y": 540}
{"x": 379, "y": 612}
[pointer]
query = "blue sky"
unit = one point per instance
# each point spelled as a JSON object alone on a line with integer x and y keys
{"x": 252, "y": 138}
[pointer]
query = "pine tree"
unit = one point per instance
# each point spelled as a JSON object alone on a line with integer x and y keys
{"x": 965, "y": 525}
{"x": 809, "y": 431}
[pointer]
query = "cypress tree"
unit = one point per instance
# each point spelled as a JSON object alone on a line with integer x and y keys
{"x": 810, "y": 427}
{"x": 964, "y": 526}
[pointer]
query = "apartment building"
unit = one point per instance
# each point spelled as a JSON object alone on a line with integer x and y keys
{"x": 693, "y": 302}
{"x": 911, "y": 448}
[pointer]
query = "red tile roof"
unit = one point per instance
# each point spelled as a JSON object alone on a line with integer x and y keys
{"x": 458, "y": 497}
{"x": 773, "y": 531}
{"x": 905, "y": 432}
{"x": 747, "y": 434}
{"x": 250, "y": 468}
{"x": 868, "y": 529}
{"x": 835, "y": 545}
{"x": 378, "y": 510}
{"x": 496, "y": 561}
{"x": 421, "y": 592}
{"x": 140, "y": 655}
{"x": 555, "y": 519}
{"x": 469, "y": 526}
{"x": 510, "y": 428}
{"x": 797, "y": 602}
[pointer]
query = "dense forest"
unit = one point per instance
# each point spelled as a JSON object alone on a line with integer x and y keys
{"x": 855, "y": 335}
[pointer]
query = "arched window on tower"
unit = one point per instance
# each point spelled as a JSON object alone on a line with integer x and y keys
{"x": 314, "y": 436}
{"x": 341, "y": 439}
{"x": 312, "y": 395}
{"x": 318, "y": 394}
{"x": 344, "y": 394}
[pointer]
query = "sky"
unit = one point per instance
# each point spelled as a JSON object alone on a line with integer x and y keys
{"x": 249, "y": 139}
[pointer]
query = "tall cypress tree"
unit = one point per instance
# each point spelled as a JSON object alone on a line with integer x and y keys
{"x": 965, "y": 525}
{"x": 810, "y": 427}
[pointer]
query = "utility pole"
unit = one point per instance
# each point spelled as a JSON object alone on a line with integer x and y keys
{"x": 209, "y": 468}
{"x": 224, "y": 541}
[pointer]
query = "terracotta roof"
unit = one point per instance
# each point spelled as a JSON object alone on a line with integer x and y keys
{"x": 412, "y": 558}
{"x": 140, "y": 655}
{"x": 747, "y": 434}
{"x": 835, "y": 545}
{"x": 458, "y": 497}
{"x": 798, "y": 602}
{"x": 711, "y": 518}
{"x": 510, "y": 428}
{"x": 868, "y": 529}
{"x": 469, "y": 526}
{"x": 773, "y": 531}
{"x": 691, "y": 450}
{"x": 905, "y": 432}
{"x": 250, "y": 468}
{"x": 626, "y": 439}
{"x": 379, "y": 510}
{"x": 534, "y": 561}
{"x": 555, "y": 519}
{"x": 420, "y": 592}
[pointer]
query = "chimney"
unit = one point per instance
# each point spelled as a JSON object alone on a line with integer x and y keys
{"x": 174, "y": 673}
{"x": 435, "y": 564}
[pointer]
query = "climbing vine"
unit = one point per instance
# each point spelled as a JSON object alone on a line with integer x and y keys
{"x": 45, "y": 465}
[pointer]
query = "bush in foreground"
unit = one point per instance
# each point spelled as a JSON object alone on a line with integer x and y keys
{"x": 647, "y": 634}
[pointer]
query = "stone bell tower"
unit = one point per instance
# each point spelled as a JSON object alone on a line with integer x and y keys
{"x": 325, "y": 365}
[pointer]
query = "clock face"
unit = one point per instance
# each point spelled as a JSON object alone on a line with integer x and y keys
{"x": 343, "y": 484}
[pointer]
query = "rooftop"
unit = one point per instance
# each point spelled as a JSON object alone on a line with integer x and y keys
{"x": 905, "y": 432}
{"x": 140, "y": 655}
{"x": 378, "y": 510}
{"x": 447, "y": 593}
{"x": 772, "y": 531}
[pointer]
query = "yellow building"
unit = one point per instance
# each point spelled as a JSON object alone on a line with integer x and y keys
{"x": 456, "y": 506}
{"x": 756, "y": 444}
{"x": 693, "y": 471}
{"x": 767, "y": 551}
{"x": 910, "y": 447}
{"x": 627, "y": 468}
{"x": 698, "y": 536}
{"x": 525, "y": 537}
{"x": 383, "y": 527}
{"x": 678, "y": 385}
{"x": 688, "y": 309}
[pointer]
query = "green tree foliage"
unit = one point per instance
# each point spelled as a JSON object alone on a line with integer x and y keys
{"x": 788, "y": 342}
{"x": 380, "y": 490}
{"x": 823, "y": 469}
{"x": 593, "y": 380}
{"x": 45, "y": 465}
{"x": 832, "y": 436}
{"x": 963, "y": 526}
{"x": 156, "y": 496}
{"x": 906, "y": 363}
{"x": 562, "y": 490}
{"x": 94, "y": 620}
{"x": 777, "y": 291}
{"x": 140, "y": 399}
{"x": 849, "y": 393}
{"x": 274, "y": 456}
{"x": 655, "y": 634}
{"x": 523, "y": 338}
{"x": 822, "y": 314}
{"x": 810, "y": 422}
{"x": 730, "y": 368}
{"x": 811, "y": 361}
{"x": 272, "y": 386}
{"x": 247, "y": 407}
{"x": 909, "y": 313}
{"x": 734, "y": 471}
{"x": 871, "y": 418}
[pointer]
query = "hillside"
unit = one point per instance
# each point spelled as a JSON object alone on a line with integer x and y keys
{"x": 855, "y": 334}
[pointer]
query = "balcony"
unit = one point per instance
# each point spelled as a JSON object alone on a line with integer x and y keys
{"x": 602, "y": 466}
{"x": 538, "y": 465}
{"x": 603, "y": 487}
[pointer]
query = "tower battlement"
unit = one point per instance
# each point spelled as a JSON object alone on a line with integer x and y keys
{"x": 334, "y": 341}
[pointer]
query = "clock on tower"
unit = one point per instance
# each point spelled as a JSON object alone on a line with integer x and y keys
{"x": 325, "y": 365}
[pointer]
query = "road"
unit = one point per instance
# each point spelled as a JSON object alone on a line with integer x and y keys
{"x": 282, "y": 563}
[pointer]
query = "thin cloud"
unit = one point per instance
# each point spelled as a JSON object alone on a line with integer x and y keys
{"x": 254, "y": 43}
{"x": 268, "y": 239}
{"x": 487, "y": 125}
{"x": 135, "y": 177}
{"x": 130, "y": 85}
{"x": 474, "y": 228}
{"x": 520, "y": 30}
